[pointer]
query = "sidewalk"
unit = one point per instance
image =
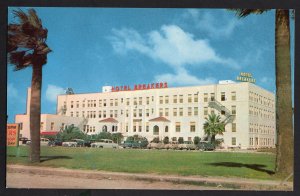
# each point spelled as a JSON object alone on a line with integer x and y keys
{"x": 213, "y": 182}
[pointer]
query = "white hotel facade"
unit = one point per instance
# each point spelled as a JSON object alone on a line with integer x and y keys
{"x": 247, "y": 109}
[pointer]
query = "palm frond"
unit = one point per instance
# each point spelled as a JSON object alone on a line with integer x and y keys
{"x": 245, "y": 12}
{"x": 21, "y": 15}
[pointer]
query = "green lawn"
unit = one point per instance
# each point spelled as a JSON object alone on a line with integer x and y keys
{"x": 246, "y": 165}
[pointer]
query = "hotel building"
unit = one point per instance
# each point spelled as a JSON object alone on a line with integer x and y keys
{"x": 158, "y": 111}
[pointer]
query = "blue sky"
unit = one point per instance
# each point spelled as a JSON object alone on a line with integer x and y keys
{"x": 93, "y": 47}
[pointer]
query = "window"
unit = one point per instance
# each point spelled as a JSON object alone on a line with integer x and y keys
{"x": 77, "y": 104}
{"x": 126, "y": 127}
{"x": 147, "y": 112}
{"x": 174, "y": 98}
{"x": 233, "y": 110}
{"x": 195, "y": 111}
{"x": 205, "y": 97}
{"x": 160, "y": 112}
{"x": 147, "y": 127}
{"x": 116, "y": 113}
{"x": 104, "y": 114}
{"x": 233, "y": 96}
{"x": 233, "y": 127}
{"x": 104, "y": 128}
{"x": 140, "y": 101}
{"x": 135, "y": 101}
{"x": 161, "y": 101}
{"x": 100, "y": 114}
{"x": 140, "y": 128}
{"x": 94, "y": 103}
{"x": 140, "y": 112}
{"x": 233, "y": 141}
{"x": 134, "y": 113}
{"x": 180, "y": 111}
{"x": 116, "y": 102}
{"x": 180, "y": 98}
{"x": 174, "y": 111}
{"x": 177, "y": 126}
{"x": 104, "y": 102}
{"x": 205, "y": 110}
{"x": 189, "y": 98}
{"x": 212, "y": 111}
{"x": 196, "y": 98}
{"x": 71, "y": 104}
{"x": 77, "y": 114}
{"x": 166, "y": 99}
{"x": 147, "y": 100}
{"x": 155, "y": 130}
{"x": 223, "y": 98}
{"x": 111, "y": 102}
{"x": 52, "y": 126}
{"x": 223, "y": 112}
{"x": 212, "y": 96}
{"x": 71, "y": 114}
{"x": 192, "y": 126}
{"x": 166, "y": 129}
{"x": 134, "y": 128}
{"x": 21, "y": 126}
{"x": 127, "y": 101}
{"x": 166, "y": 111}
{"x": 189, "y": 111}
{"x": 111, "y": 113}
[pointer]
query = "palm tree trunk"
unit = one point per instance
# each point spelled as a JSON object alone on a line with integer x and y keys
{"x": 35, "y": 113}
{"x": 284, "y": 125}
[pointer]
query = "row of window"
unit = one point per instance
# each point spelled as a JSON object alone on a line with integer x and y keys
{"x": 262, "y": 129}
{"x": 261, "y": 99}
{"x": 261, "y": 141}
{"x": 191, "y": 111}
{"x": 191, "y": 98}
{"x": 263, "y": 113}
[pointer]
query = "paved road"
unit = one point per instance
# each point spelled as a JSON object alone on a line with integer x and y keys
{"x": 26, "y": 180}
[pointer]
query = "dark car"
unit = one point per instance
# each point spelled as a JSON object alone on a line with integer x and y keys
{"x": 135, "y": 144}
{"x": 56, "y": 142}
{"x": 206, "y": 146}
{"x": 87, "y": 143}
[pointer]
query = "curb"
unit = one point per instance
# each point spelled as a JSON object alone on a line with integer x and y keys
{"x": 220, "y": 182}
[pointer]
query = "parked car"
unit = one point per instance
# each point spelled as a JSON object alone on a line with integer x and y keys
{"x": 43, "y": 141}
{"x": 153, "y": 145}
{"x": 171, "y": 145}
{"x": 74, "y": 143}
{"x": 135, "y": 144}
{"x": 104, "y": 143}
{"x": 205, "y": 146}
{"x": 188, "y": 145}
{"x": 23, "y": 140}
{"x": 56, "y": 142}
{"x": 87, "y": 143}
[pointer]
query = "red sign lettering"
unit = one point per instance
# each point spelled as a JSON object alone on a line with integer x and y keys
{"x": 140, "y": 87}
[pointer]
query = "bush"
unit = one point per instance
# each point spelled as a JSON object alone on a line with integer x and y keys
{"x": 196, "y": 140}
{"x": 180, "y": 140}
{"x": 71, "y": 132}
{"x": 117, "y": 137}
{"x": 166, "y": 140}
{"x": 155, "y": 140}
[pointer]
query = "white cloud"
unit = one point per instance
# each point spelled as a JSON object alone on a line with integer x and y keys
{"x": 266, "y": 80}
{"x": 214, "y": 26}
{"x": 52, "y": 92}
{"x": 183, "y": 78}
{"x": 11, "y": 91}
{"x": 170, "y": 45}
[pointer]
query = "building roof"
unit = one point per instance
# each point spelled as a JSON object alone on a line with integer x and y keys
{"x": 161, "y": 119}
{"x": 109, "y": 120}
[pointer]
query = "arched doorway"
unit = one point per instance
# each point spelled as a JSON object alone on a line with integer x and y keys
{"x": 166, "y": 129}
{"x": 155, "y": 130}
{"x": 104, "y": 128}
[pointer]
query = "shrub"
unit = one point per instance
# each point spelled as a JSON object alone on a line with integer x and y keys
{"x": 155, "y": 140}
{"x": 180, "y": 140}
{"x": 166, "y": 140}
{"x": 196, "y": 140}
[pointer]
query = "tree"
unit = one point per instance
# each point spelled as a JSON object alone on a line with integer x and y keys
{"x": 180, "y": 140}
{"x": 284, "y": 113}
{"x": 71, "y": 132}
{"x": 117, "y": 137}
{"x": 196, "y": 140}
{"x": 213, "y": 126}
{"x": 27, "y": 47}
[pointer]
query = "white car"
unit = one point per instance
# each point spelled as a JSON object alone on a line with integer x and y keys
{"x": 104, "y": 143}
{"x": 188, "y": 145}
{"x": 74, "y": 143}
{"x": 44, "y": 142}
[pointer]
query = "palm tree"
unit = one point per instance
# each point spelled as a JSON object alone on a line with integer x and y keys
{"x": 284, "y": 113}
{"x": 213, "y": 126}
{"x": 27, "y": 47}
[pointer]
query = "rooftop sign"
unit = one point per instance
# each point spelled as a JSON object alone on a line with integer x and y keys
{"x": 245, "y": 77}
{"x": 140, "y": 87}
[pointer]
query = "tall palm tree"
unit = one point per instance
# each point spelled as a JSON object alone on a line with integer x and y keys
{"x": 27, "y": 47}
{"x": 284, "y": 113}
{"x": 213, "y": 126}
